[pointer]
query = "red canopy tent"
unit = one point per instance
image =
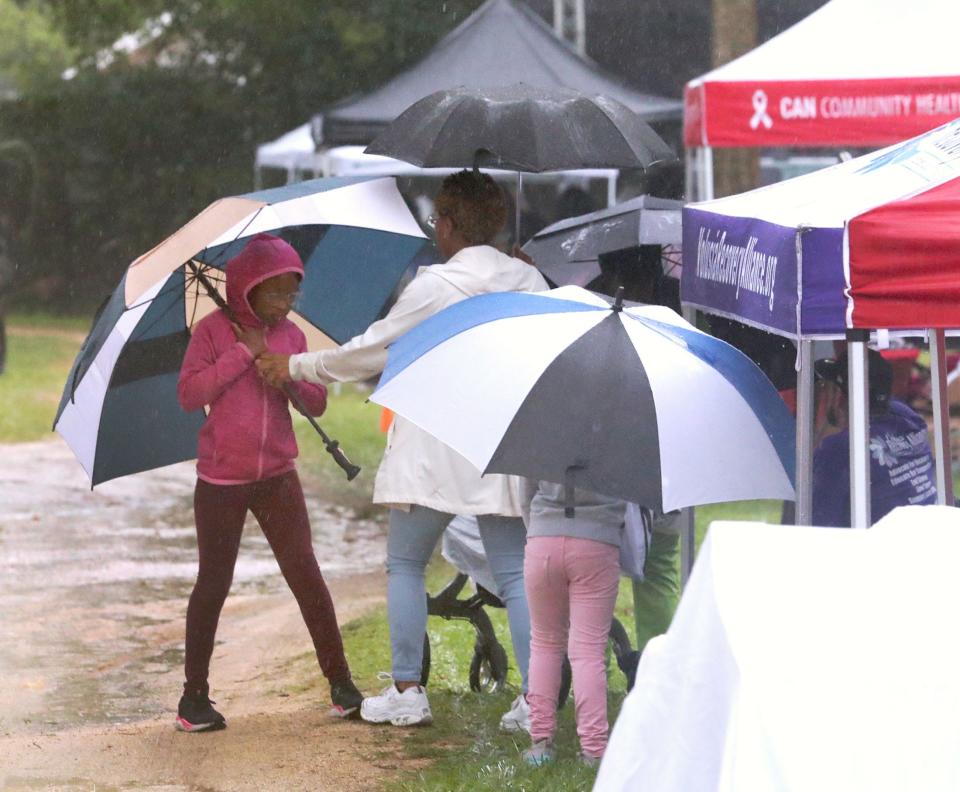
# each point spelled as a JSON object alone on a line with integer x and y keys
{"x": 857, "y": 73}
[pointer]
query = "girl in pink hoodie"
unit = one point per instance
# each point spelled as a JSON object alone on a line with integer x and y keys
{"x": 246, "y": 451}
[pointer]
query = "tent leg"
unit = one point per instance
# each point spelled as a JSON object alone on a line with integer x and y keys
{"x": 688, "y": 543}
{"x": 701, "y": 174}
{"x": 516, "y": 239}
{"x": 941, "y": 417}
{"x": 805, "y": 421}
{"x": 707, "y": 174}
{"x": 859, "y": 421}
{"x": 690, "y": 175}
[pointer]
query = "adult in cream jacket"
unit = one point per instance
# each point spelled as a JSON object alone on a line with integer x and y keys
{"x": 424, "y": 482}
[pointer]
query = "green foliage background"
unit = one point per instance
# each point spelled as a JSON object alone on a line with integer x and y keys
{"x": 125, "y": 153}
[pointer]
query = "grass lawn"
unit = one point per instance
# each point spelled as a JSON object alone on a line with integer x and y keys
{"x": 464, "y": 748}
{"x": 40, "y": 350}
{"x": 355, "y": 423}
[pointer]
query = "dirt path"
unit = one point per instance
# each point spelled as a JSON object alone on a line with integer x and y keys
{"x": 279, "y": 736}
{"x": 92, "y": 596}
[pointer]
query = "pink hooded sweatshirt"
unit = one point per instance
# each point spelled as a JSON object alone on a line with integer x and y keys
{"x": 248, "y": 435}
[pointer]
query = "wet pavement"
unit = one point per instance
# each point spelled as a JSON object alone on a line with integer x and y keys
{"x": 93, "y": 585}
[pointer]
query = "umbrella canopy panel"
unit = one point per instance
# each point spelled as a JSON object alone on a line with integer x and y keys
{"x": 644, "y": 220}
{"x": 568, "y": 251}
{"x": 521, "y": 127}
{"x": 685, "y": 418}
{"x": 123, "y": 388}
{"x": 340, "y": 301}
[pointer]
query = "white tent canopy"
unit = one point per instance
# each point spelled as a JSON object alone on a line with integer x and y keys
{"x": 296, "y": 153}
{"x": 804, "y": 659}
{"x": 293, "y": 152}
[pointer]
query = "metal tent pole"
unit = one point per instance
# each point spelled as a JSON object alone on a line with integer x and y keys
{"x": 701, "y": 173}
{"x": 517, "y": 241}
{"x": 859, "y": 421}
{"x": 805, "y": 421}
{"x": 941, "y": 417}
{"x": 707, "y": 174}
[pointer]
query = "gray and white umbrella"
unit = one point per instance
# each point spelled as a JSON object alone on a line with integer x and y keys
{"x": 568, "y": 251}
{"x": 632, "y": 402}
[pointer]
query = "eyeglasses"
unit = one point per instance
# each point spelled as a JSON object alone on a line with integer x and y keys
{"x": 284, "y": 297}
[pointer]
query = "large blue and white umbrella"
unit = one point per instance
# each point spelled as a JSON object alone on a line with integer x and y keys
{"x": 119, "y": 411}
{"x": 632, "y": 402}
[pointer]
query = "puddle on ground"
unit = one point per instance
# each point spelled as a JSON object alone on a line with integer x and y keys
{"x": 88, "y": 580}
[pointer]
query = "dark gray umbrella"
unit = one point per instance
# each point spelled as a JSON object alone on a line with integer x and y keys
{"x": 568, "y": 251}
{"x": 522, "y": 128}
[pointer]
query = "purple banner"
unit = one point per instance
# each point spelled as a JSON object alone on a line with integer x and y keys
{"x": 824, "y": 308}
{"x": 741, "y": 267}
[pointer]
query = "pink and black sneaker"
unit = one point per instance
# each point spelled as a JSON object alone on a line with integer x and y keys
{"x": 346, "y": 699}
{"x": 195, "y": 713}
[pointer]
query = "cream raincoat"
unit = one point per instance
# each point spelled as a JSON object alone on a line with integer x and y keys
{"x": 417, "y": 468}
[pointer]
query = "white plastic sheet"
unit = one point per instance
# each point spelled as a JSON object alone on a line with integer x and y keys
{"x": 804, "y": 659}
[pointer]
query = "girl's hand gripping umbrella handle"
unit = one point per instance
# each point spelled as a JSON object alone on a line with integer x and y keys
{"x": 332, "y": 446}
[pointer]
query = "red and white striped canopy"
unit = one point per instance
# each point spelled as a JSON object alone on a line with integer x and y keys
{"x": 857, "y": 73}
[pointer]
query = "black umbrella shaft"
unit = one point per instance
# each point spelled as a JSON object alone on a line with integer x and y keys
{"x": 332, "y": 446}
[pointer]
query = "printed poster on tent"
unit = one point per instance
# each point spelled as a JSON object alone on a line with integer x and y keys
{"x": 741, "y": 267}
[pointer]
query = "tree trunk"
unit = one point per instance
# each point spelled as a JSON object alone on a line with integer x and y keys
{"x": 734, "y": 33}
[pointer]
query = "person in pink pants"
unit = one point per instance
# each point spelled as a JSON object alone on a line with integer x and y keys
{"x": 572, "y": 574}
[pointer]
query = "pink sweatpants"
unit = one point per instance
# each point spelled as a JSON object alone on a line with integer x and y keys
{"x": 571, "y": 592}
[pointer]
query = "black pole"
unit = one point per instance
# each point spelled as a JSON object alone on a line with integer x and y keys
{"x": 332, "y": 446}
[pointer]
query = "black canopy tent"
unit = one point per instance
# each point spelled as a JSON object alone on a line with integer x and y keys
{"x": 501, "y": 43}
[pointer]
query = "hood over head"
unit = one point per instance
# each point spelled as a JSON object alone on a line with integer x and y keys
{"x": 264, "y": 256}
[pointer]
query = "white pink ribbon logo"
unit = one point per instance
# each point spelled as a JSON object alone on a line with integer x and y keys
{"x": 760, "y": 115}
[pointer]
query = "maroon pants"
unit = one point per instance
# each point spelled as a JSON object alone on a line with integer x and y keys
{"x": 278, "y": 505}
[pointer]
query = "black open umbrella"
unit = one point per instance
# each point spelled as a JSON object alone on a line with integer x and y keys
{"x": 523, "y": 128}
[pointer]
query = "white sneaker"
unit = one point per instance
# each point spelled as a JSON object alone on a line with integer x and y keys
{"x": 518, "y": 717}
{"x": 409, "y": 708}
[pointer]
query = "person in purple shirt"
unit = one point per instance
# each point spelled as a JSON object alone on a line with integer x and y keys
{"x": 901, "y": 463}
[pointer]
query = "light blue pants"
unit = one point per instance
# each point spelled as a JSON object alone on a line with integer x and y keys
{"x": 410, "y": 543}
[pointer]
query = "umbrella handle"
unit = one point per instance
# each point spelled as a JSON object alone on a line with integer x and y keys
{"x": 332, "y": 446}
